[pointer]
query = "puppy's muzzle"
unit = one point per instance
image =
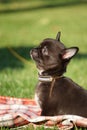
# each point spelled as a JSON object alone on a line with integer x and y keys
{"x": 34, "y": 53}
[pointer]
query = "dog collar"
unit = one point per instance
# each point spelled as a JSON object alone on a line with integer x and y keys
{"x": 47, "y": 78}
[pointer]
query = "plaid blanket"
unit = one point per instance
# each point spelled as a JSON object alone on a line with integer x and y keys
{"x": 16, "y": 112}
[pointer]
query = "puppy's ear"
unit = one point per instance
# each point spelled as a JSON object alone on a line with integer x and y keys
{"x": 58, "y": 36}
{"x": 69, "y": 53}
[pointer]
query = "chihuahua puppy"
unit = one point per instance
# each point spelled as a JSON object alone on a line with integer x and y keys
{"x": 56, "y": 94}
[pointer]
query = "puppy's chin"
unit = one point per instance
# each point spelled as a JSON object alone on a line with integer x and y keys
{"x": 40, "y": 71}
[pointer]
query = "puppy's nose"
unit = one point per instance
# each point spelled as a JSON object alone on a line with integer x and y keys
{"x": 34, "y": 52}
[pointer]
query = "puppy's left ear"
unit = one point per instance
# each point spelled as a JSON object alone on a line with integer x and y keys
{"x": 69, "y": 53}
{"x": 58, "y": 36}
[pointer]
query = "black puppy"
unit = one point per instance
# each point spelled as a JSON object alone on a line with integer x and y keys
{"x": 55, "y": 93}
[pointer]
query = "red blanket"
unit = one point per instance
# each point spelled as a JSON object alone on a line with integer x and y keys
{"x": 16, "y": 112}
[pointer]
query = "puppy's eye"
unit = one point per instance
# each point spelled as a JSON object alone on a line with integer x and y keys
{"x": 45, "y": 51}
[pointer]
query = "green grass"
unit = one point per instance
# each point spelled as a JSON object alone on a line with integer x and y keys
{"x": 23, "y": 25}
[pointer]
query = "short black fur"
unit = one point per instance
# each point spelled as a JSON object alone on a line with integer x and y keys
{"x": 67, "y": 97}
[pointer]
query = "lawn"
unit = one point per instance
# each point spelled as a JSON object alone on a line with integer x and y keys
{"x": 23, "y": 25}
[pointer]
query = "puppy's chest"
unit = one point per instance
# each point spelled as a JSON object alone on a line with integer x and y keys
{"x": 42, "y": 93}
{"x": 38, "y": 102}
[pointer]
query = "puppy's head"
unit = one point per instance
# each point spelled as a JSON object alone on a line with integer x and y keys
{"x": 52, "y": 57}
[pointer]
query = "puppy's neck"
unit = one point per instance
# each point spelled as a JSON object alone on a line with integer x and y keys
{"x": 49, "y": 79}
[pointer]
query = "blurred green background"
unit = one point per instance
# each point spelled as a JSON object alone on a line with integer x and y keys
{"x": 24, "y": 24}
